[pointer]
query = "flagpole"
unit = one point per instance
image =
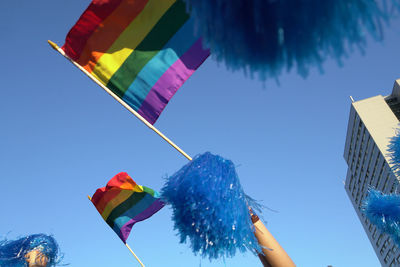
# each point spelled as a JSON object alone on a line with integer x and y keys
{"x": 133, "y": 253}
{"x": 111, "y": 93}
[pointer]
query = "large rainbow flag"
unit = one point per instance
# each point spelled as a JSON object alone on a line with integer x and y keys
{"x": 142, "y": 50}
{"x": 122, "y": 203}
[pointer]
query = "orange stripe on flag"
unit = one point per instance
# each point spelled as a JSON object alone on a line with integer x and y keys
{"x": 102, "y": 203}
{"x": 109, "y": 31}
{"x": 122, "y": 196}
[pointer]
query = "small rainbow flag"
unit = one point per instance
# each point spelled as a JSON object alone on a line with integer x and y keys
{"x": 142, "y": 50}
{"x": 122, "y": 203}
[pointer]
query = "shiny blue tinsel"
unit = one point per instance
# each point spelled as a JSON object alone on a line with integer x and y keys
{"x": 384, "y": 212}
{"x": 394, "y": 152}
{"x": 265, "y": 37}
{"x": 210, "y": 208}
{"x": 12, "y": 252}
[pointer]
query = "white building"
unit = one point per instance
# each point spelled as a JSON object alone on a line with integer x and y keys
{"x": 372, "y": 122}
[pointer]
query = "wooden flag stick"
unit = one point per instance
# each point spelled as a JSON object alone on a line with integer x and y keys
{"x": 58, "y": 49}
{"x": 133, "y": 253}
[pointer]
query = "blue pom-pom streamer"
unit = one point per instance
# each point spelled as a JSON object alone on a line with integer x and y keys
{"x": 384, "y": 212}
{"x": 210, "y": 208}
{"x": 394, "y": 152}
{"x": 12, "y": 252}
{"x": 265, "y": 37}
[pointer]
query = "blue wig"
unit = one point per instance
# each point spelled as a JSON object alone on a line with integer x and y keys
{"x": 394, "y": 152}
{"x": 384, "y": 212}
{"x": 264, "y": 37}
{"x": 12, "y": 252}
{"x": 210, "y": 208}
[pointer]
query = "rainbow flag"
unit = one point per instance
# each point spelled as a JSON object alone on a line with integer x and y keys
{"x": 122, "y": 203}
{"x": 142, "y": 50}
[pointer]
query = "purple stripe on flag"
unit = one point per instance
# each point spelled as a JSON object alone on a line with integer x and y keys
{"x": 171, "y": 80}
{"x": 153, "y": 208}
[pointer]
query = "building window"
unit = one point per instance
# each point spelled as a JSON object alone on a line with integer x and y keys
{"x": 388, "y": 256}
{"x": 393, "y": 187}
{"x": 378, "y": 242}
{"x": 370, "y": 159}
{"x": 394, "y": 249}
{"x": 380, "y": 175}
{"x": 354, "y": 123}
{"x": 385, "y": 245}
{"x": 358, "y": 196}
{"x": 357, "y": 165}
{"x": 363, "y": 137}
{"x": 351, "y": 181}
{"x": 374, "y": 234}
{"x": 386, "y": 182}
{"x": 374, "y": 170}
{"x": 378, "y": 181}
{"x": 365, "y": 192}
{"x": 368, "y": 142}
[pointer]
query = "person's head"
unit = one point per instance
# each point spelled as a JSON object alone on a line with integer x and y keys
{"x": 38, "y": 250}
{"x": 35, "y": 258}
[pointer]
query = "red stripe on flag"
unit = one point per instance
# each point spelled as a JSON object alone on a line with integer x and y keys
{"x": 103, "y": 198}
{"x": 122, "y": 181}
{"x": 89, "y": 21}
{"x": 97, "y": 195}
{"x": 111, "y": 28}
{"x": 119, "y": 182}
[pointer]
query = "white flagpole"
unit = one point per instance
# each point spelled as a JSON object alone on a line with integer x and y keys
{"x": 133, "y": 253}
{"x": 58, "y": 49}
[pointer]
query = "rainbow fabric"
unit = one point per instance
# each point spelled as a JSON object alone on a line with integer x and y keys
{"x": 122, "y": 203}
{"x": 142, "y": 50}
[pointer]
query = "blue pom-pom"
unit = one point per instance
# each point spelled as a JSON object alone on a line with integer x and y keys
{"x": 384, "y": 212}
{"x": 12, "y": 252}
{"x": 265, "y": 37}
{"x": 210, "y": 208}
{"x": 394, "y": 152}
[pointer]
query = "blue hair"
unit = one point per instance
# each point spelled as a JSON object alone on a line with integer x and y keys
{"x": 12, "y": 252}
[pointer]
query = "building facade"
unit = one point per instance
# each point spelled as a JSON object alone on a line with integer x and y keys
{"x": 372, "y": 122}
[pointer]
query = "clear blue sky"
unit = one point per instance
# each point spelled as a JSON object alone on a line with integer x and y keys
{"x": 61, "y": 137}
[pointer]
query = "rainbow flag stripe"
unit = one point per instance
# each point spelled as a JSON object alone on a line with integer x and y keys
{"x": 122, "y": 203}
{"x": 142, "y": 50}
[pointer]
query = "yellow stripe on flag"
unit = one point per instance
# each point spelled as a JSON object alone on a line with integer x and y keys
{"x": 124, "y": 195}
{"x": 132, "y": 36}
